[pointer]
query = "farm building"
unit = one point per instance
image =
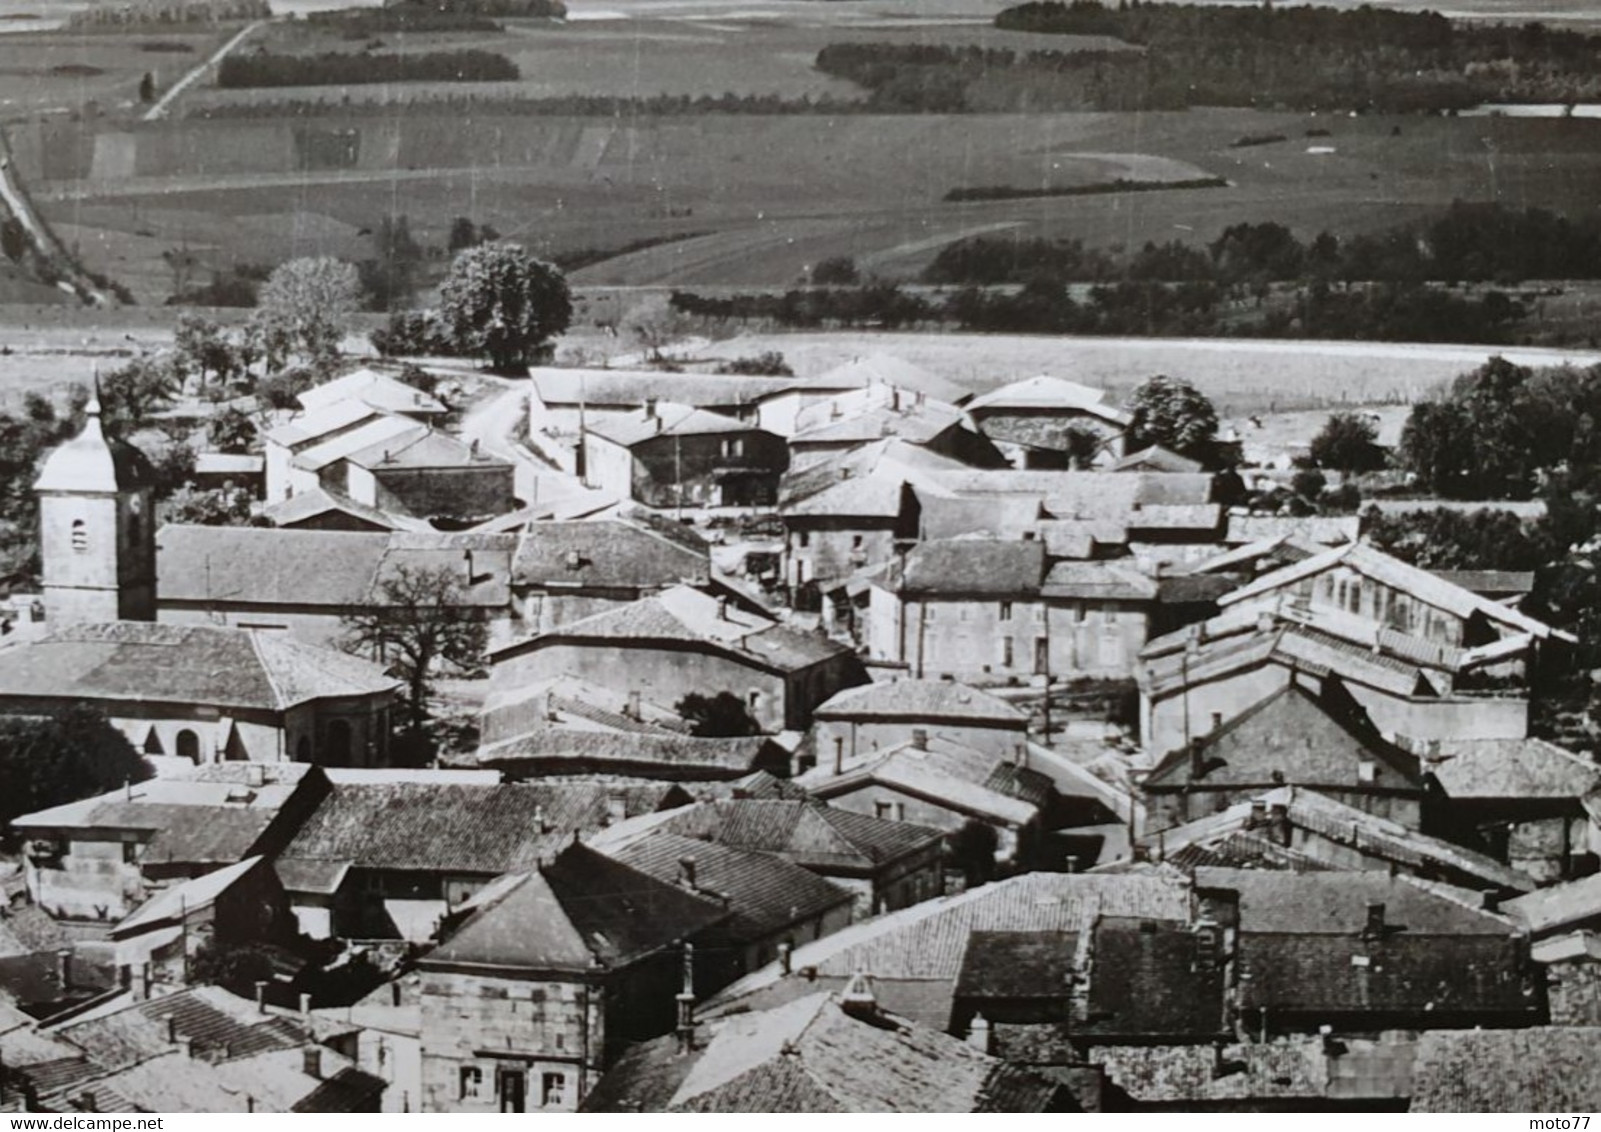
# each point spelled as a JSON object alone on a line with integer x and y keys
{"x": 673, "y": 455}
{"x": 1049, "y": 422}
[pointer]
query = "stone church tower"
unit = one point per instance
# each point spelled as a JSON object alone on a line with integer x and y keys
{"x": 97, "y": 538}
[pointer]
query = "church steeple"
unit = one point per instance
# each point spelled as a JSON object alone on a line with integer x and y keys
{"x": 96, "y": 530}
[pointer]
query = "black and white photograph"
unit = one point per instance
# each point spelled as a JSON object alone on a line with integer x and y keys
{"x": 799, "y": 556}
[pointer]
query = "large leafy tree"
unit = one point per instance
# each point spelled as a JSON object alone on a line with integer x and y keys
{"x": 418, "y": 621}
{"x": 1172, "y": 413}
{"x": 502, "y": 304}
{"x": 51, "y": 760}
{"x": 1348, "y": 443}
{"x": 304, "y": 306}
{"x": 722, "y": 716}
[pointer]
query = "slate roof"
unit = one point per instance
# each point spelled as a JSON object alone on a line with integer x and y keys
{"x": 1157, "y": 459}
{"x": 378, "y": 390}
{"x": 338, "y": 569}
{"x": 667, "y": 418}
{"x": 915, "y": 955}
{"x": 812, "y": 1056}
{"x": 1547, "y": 1069}
{"x": 1510, "y": 768}
{"x": 1284, "y": 1069}
{"x": 867, "y": 496}
{"x": 1047, "y": 392}
{"x": 580, "y": 912}
{"x": 1006, "y": 517}
{"x": 174, "y": 903}
{"x": 686, "y": 615}
{"x": 474, "y": 829}
{"x": 1097, "y": 581}
{"x": 765, "y": 894}
{"x": 914, "y": 699}
{"x": 1322, "y": 530}
{"x": 913, "y": 423}
{"x": 885, "y": 369}
{"x": 609, "y": 553}
{"x": 185, "y": 664}
{"x": 976, "y": 567}
{"x": 1491, "y": 583}
{"x": 305, "y": 428}
{"x": 341, "y": 446}
{"x": 1336, "y": 903}
{"x": 688, "y": 756}
{"x": 1426, "y": 587}
{"x": 93, "y": 462}
{"x": 1101, "y": 496}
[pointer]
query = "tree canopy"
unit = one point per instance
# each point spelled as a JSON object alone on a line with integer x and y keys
{"x": 722, "y": 716}
{"x": 1172, "y": 413}
{"x": 304, "y": 305}
{"x": 503, "y": 305}
{"x": 1348, "y": 443}
{"x": 51, "y": 760}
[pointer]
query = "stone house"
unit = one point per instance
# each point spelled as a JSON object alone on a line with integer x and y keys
{"x": 682, "y": 641}
{"x": 1044, "y": 422}
{"x": 206, "y": 694}
{"x": 298, "y": 451}
{"x": 785, "y": 408}
{"x": 427, "y": 475}
{"x": 671, "y": 455}
{"x": 1288, "y": 738}
{"x": 101, "y": 858}
{"x": 864, "y": 416}
{"x": 562, "y": 402}
{"x": 549, "y": 976}
{"x": 378, "y": 391}
{"x": 859, "y": 723}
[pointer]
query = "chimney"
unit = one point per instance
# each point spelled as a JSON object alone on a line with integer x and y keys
{"x": 979, "y": 1035}
{"x": 686, "y": 1003}
{"x": 722, "y": 609}
{"x": 305, "y": 1005}
{"x": 64, "y": 968}
{"x": 394, "y": 994}
{"x": 311, "y": 1062}
{"x": 634, "y": 709}
{"x": 616, "y": 808}
{"x": 1264, "y": 620}
{"x": 171, "y": 1025}
{"x": 1279, "y": 823}
{"x": 839, "y": 755}
{"x": 141, "y": 983}
{"x": 255, "y": 775}
{"x": 1217, "y": 720}
{"x": 919, "y": 739}
{"x": 1258, "y": 814}
{"x": 541, "y": 822}
{"x": 786, "y": 952}
{"x": 858, "y": 999}
{"x": 388, "y": 459}
{"x": 1022, "y": 756}
{"x": 686, "y": 872}
{"x": 575, "y": 560}
{"x": 650, "y": 408}
{"x": 1373, "y": 929}
{"x": 467, "y": 556}
{"x": 186, "y": 1046}
{"x": 261, "y": 996}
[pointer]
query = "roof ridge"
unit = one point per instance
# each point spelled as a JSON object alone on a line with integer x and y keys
{"x": 278, "y": 693}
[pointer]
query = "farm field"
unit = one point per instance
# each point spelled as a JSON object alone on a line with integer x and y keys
{"x": 1241, "y": 376}
{"x": 52, "y": 72}
{"x": 765, "y": 197}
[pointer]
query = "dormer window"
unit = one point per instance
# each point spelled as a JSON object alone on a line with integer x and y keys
{"x": 80, "y": 536}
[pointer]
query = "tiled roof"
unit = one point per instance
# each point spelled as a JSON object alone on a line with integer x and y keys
{"x": 970, "y": 566}
{"x": 1046, "y": 392}
{"x": 1097, "y": 581}
{"x": 613, "y": 388}
{"x": 1368, "y": 834}
{"x": 765, "y": 893}
{"x": 1322, "y": 530}
{"x": 666, "y": 418}
{"x": 94, "y": 462}
{"x": 478, "y": 829}
{"x": 220, "y": 1024}
{"x": 342, "y": 445}
{"x": 610, "y": 553}
{"x": 1157, "y": 459}
{"x": 884, "y": 369}
{"x": 1510, "y": 768}
{"x": 629, "y": 753}
{"x": 379, "y": 390}
{"x": 187, "y": 664}
{"x": 422, "y": 447}
{"x": 920, "y": 699}
{"x": 305, "y": 428}
{"x": 176, "y": 902}
{"x": 1280, "y": 549}
{"x": 342, "y": 569}
{"x": 866, "y": 496}
{"x": 949, "y": 774}
{"x": 1547, "y": 1069}
{"x": 915, "y": 955}
{"x": 1548, "y": 909}
{"x": 1006, "y": 517}
{"x": 1428, "y": 588}
{"x": 819, "y": 837}
{"x": 1490, "y": 583}
{"x": 1083, "y": 495}
{"x": 580, "y": 911}
{"x": 683, "y": 614}
{"x": 914, "y": 423}
{"x": 1152, "y": 978}
{"x": 1293, "y": 1069}
{"x": 1018, "y": 965}
{"x": 308, "y": 505}
{"x": 1336, "y": 903}
{"x": 812, "y": 1056}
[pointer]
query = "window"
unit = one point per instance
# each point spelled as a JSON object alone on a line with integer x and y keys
{"x": 472, "y": 1082}
{"x": 80, "y": 536}
{"x": 553, "y": 1089}
{"x": 804, "y": 539}
{"x": 884, "y": 810}
{"x": 1006, "y": 611}
{"x": 734, "y": 446}
{"x": 856, "y": 542}
{"x": 130, "y": 852}
{"x": 1006, "y": 652}
{"x": 189, "y": 746}
{"x": 1079, "y": 613}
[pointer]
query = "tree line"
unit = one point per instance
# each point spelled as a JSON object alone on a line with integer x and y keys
{"x": 1468, "y": 243}
{"x": 271, "y": 69}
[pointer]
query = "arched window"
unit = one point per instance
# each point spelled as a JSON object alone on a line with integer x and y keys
{"x": 80, "y": 535}
{"x": 337, "y": 747}
{"x": 153, "y": 743}
{"x": 189, "y": 746}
